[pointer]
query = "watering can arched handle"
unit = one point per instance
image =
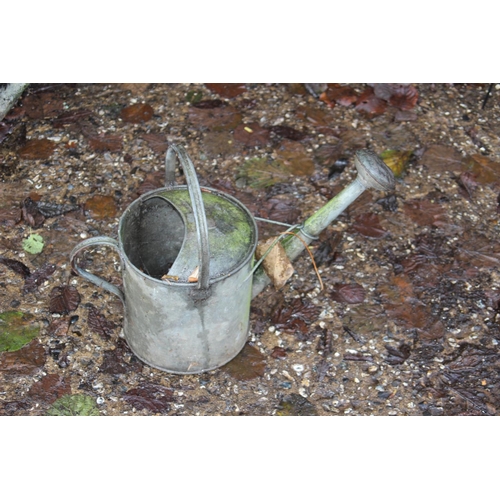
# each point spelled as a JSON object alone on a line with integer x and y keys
{"x": 90, "y": 242}
{"x": 197, "y": 205}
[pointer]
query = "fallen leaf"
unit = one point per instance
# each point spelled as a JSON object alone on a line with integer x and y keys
{"x": 135, "y": 88}
{"x": 424, "y": 212}
{"x": 251, "y": 134}
{"x": 49, "y": 388}
{"x": 247, "y": 365}
{"x": 287, "y": 132}
{"x": 218, "y": 119}
{"x": 443, "y": 159}
{"x": 48, "y": 209}
{"x": 33, "y": 244}
{"x": 16, "y": 266}
{"x": 137, "y": 113}
{"x": 404, "y": 97}
{"x": 148, "y": 396}
{"x": 259, "y": 173}
{"x": 295, "y": 405}
{"x": 77, "y": 405}
{"x": 315, "y": 116}
{"x": 294, "y": 157}
{"x": 398, "y": 355}
{"x": 341, "y": 94}
{"x": 277, "y": 265}
{"x": 42, "y": 105}
{"x": 368, "y": 224}
{"x": 33, "y": 217}
{"x": 370, "y": 105}
{"x": 101, "y": 207}
{"x": 397, "y": 161}
{"x": 278, "y": 353}
{"x": 70, "y": 117}
{"x": 9, "y": 217}
{"x": 37, "y": 149}
{"x": 157, "y": 142}
{"x": 16, "y": 330}
{"x": 26, "y": 361}
{"x": 98, "y": 323}
{"x": 59, "y": 327}
{"x": 279, "y": 209}
{"x": 295, "y": 316}
{"x": 348, "y": 293}
{"x": 36, "y": 278}
{"x": 208, "y": 104}
{"x": 484, "y": 170}
{"x": 228, "y": 90}
{"x": 64, "y": 299}
{"x": 115, "y": 361}
{"x": 153, "y": 180}
{"x": 111, "y": 143}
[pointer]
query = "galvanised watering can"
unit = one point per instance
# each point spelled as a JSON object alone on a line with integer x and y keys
{"x": 186, "y": 262}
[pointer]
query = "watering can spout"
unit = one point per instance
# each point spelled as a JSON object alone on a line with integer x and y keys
{"x": 372, "y": 173}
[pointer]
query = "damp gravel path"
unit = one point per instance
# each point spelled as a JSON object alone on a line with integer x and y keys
{"x": 407, "y": 321}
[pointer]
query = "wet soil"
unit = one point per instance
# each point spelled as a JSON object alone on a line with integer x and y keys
{"x": 407, "y": 322}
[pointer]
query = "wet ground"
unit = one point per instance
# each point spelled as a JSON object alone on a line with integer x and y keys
{"x": 407, "y": 322}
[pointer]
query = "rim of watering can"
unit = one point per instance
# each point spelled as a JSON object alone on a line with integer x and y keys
{"x": 154, "y": 193}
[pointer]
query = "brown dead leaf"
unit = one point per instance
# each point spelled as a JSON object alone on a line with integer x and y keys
{"x": 49, "y": 388}
{"x": 369, "y": 104}
{"x": 135, "y": 88}
{"x": 294, "y": 157}
{"x": 64, "y": 299}
{"x": 247, "y": 365}
{"x": 227, "y": 90}
{"x": 341, "y": 94}
{"x": 217, "y": 119}
{"x": 25, "y": 361}
{"x": 137, "y": 113}
{"x": 348, "y": 293}
{"x": 111, "y": 143}
{"x": 251, "y": 134}
{"x": 157, "y": 142}
{"x": 101, "y": 207}
{"x": 276, "y": 264}
{"x": 443, "y": 159}
{"x": 368, "y": 224}
{"x": 485, "y": 171}
{"x": 42, "y": 105}
{"x": 37, "y": 149}
{"x": 425, "y": 213}
{"x": 315, "y": 116}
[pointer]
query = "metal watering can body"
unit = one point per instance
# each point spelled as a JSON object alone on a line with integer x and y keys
{"x": 187, "y": 265}
{"x": 186, "y": 253}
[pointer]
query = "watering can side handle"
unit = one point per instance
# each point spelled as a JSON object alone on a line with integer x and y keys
{"x": 98, "y": 240}
{"x": 197, "y": 206}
